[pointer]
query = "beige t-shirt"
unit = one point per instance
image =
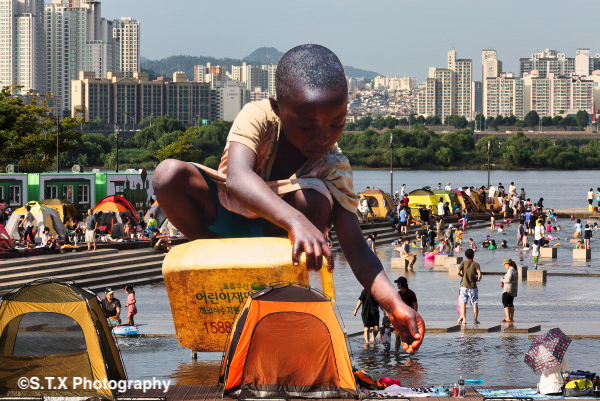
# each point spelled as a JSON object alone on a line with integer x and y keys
{"x": 259, "y": 128}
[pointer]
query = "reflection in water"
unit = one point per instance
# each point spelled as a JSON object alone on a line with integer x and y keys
{"x": 196, "y": 373}
{"x": 402, "y": 366}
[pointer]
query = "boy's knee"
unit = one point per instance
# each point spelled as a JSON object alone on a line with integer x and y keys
{"x": 314, "y": 205}
{"x": 309, "y": 199}
{"x": 169, "y": 174}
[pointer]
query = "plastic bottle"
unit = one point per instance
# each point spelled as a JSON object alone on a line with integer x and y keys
{"x": 461, "y": 387}
{"x": 455, "y": 390}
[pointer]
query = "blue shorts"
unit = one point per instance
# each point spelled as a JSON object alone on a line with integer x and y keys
{"x": 233, "y": 225}
{"x": 469, "y": 295}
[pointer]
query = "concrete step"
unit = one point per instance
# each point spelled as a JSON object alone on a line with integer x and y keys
{"x": 70, "y": 256}
{"x": 100, "y": 285}
{"x": 45, "y": 271}
{"x": 91, "y": 258}
{"x": 123, "y": 271}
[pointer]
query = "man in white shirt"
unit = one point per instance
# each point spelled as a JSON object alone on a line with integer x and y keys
{"x": 440, "y": 206}
{"x": 448, "y": 187}
{"x": 539, "y": 232}
{"x": 403, "y": 190}
{"x": 492, "y": 191}
{"x": 512, "y": 190}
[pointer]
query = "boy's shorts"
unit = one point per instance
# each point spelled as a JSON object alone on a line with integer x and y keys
{"x": 90, "y": 236}
{"x": 233, "y": 225}
{"x": 535, "y": 260}
{"x": 469, "y": 295}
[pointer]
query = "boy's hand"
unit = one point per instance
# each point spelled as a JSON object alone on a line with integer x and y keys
{"x": 307, "y": 238}
{"x": 410, "y": 327}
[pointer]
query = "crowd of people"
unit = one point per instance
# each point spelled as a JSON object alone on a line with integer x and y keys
{"x": 88, "y": 230}
{"x": 537, "y": 228}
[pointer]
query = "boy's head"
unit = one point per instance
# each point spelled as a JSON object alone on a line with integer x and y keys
{"x": 535, "y": 242}
{"x": 312, "y": 98}
{"x": 469, "y": 253}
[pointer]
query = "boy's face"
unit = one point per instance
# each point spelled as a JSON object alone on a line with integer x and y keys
{"x": 313, "y": 120}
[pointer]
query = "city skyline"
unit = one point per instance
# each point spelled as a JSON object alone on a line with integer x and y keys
{"x": 388, "y": 37}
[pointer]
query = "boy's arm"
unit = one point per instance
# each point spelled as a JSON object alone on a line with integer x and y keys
{"x": 368, "y": 270}
{"x": 251, "y": 191}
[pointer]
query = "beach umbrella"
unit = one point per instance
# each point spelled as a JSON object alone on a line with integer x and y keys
{"x": 547, "y": 350}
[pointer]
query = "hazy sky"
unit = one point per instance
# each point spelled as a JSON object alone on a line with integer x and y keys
{"x": 392, "y": 37}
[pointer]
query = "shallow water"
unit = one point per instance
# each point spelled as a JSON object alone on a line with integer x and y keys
{"x": 496, "y": 359}
{"x": 572, "y": 303}
{"x": 560, "y": 189}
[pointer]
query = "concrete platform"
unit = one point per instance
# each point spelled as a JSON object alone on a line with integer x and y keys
{"x": 536, "y": 276}
{"x": 453, "y": 270}
{"x": 440, "y": 260}
{"x": 481, "y": 328}
{"x": 582, "y": 254}
{"x": 439, "y": 330}
{"x": 453, "y": 260}
{"x": 548, "y": 253}
{"x": 524, "y": 329}
{"x": 522, "y": 272}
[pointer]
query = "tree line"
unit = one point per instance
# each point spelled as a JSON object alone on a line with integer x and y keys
{"x": 531, "y": 120}
{"x": 421, "y": 148}
{"x": 30, "y": 136}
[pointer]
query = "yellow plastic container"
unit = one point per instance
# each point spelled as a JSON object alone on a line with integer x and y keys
{"x": 208, "y": 280}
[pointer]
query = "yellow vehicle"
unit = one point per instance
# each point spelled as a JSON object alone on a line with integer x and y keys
{"x": 380, "y": 203}
{"x": 423, "y": 196}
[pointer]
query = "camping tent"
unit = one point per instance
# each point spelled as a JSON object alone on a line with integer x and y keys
{"x": 422, "y": 196}
{"x": 159, "y": 215}
{"x": 287, "y": 342}
{"x": 449, "y": 196}
{"x": 114, "y": 208}
{"x": 44, "y": 217}
{"x": 466, "y": 203}
{"x": 56, "y": 329}
{"x": 477, "y": 202}
{"x": 381, "y": 204}
{"x": 5, "y": 241}
{"x": 117, "y": 204}
{"x": 65, "y": 209}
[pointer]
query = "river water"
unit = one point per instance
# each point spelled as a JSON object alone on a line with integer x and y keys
{"x": 560, "y": 189}
{"x": 571, "y": 303}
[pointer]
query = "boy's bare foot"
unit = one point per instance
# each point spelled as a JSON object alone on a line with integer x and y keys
{"x": 476, "y": 322}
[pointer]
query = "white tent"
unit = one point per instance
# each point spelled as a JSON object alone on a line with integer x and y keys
{"x": 43, "y": 217}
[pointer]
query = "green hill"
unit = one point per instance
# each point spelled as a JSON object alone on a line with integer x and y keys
{"x": 263, "y": 55}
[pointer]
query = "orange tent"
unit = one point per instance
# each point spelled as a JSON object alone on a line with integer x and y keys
{"x": 287, "y": 342}
{"x": 118, "y": 205}
{"x": 114, "y": 208}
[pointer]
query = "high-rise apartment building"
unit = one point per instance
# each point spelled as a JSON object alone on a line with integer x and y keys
{"x": 126, "y": 42}
{"x": 463, "y": 70}
{"x": 491, "y": 67}
{"x": 447, "y": 91}
{"x": 22, "y": 47}
{"x": 437, "y": 95}
{"x": 553, "y": 95}
{"x": 125, "y": 101}
{"x": 504, "y": 96}
{"x": 79, "y": 39}
{"x": 548, "y": 62}
{"x": 258, "y": 78}
{"x": 477, "y": 97}
{"x": 231, "y": 98}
